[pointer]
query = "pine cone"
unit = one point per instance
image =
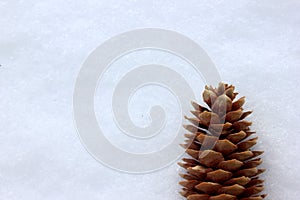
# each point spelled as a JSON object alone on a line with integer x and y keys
{"x": 222, "y": 165}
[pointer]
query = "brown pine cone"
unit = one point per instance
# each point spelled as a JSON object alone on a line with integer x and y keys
{"x": 222, "y": 165}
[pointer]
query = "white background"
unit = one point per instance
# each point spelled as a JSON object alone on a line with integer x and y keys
{"x": 254, "y": 44}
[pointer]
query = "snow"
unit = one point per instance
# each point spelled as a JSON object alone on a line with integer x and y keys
{"x": 254, "y": 45}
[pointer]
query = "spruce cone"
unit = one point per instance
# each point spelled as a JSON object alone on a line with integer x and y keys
{"x": 222, "y": 165}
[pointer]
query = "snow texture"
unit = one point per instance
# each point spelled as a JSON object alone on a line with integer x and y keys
{"x": 254, "y": 44}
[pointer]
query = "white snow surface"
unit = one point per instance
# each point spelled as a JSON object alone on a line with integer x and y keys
{"x": 254, "y": 45}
